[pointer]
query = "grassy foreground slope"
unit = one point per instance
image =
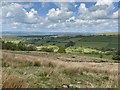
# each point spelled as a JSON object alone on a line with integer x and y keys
{"x": 37, "y": 69}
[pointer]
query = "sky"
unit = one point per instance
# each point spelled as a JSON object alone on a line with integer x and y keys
{"x": 83, "y": 17}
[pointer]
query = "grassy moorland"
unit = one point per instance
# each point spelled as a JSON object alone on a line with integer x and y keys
{"x": 60, "y": 61}
{"x": 40, "y": 69}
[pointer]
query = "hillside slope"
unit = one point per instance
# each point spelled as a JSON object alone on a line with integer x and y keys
{"x": 38, "y": 69}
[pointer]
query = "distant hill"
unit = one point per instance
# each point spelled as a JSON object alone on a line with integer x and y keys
{"x": 42, "y": 33}
{"x": 110, "y": 33}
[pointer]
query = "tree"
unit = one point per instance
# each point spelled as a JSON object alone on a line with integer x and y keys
{"x": 103, "y": 49}
{"x": 61, "y": 50}
{"x": 116, "y": 57}
{"x": 70, "y": 43}
{"x": 31, "y": 48}
{"x": 101, "y": 55}
{"x": 118, "y": 52}
{"x": 21, "y": 46}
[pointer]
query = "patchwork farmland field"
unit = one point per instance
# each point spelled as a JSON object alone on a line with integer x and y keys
{"x": 92, "y": 41}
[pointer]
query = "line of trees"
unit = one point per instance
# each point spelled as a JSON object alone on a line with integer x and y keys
{"x": 19, "y": 47}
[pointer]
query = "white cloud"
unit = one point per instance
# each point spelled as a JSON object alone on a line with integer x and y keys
{"x": 27, "y": 5}
{"x": 32, "y": 16}
{"x": 103, "y": 2}
{"x": 101, "y": 10}
{"x": 65, "y": 5}
{"x": 0, "y": 16}
{"x": 99, "y": 14}
{"x": 116, "y": 14}
{"x": 17, "y": 13}
{"x": 97, "y": 18}
{"x": 71, "y": 19}
{"x": 83, "y": 9}
{"x": 52, "y": 26}
{"x": 15, "y": 17}
{"x": 59, "y": 14}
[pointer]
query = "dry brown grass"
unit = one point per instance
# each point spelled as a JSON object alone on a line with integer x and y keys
{"x": 15, "y": 60}
{"x": 11, "y": 81}
{"x": 57, "y": 68}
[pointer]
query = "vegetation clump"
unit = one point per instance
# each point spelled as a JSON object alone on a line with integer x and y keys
{"x": 116, "y": 56}
{"x": 70, "y": 43}
{"x": 12, "y": 81}
{"x": 18, "y": 47}
{"x": 61, "y": 50}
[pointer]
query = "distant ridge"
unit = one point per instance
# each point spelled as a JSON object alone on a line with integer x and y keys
{"x": 56, "y": 33}
{"x": 40, "y": 33}
{"x": 110, "y": 33}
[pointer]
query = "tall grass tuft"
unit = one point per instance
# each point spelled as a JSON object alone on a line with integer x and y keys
{"x": 11, "y": 81}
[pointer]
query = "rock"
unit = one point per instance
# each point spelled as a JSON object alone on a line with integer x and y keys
{"x": 65, "y": 86}
{"x": 78, "y": 82}
{"x": 25, "y": 73}
{"x": 71, "y": 86}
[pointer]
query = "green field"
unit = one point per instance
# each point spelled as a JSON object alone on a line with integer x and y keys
{"x": 92, "y": 41}
{"x": 91, "y": 45}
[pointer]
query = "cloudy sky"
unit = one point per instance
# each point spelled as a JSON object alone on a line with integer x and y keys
{"x": 90, "y": 17}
